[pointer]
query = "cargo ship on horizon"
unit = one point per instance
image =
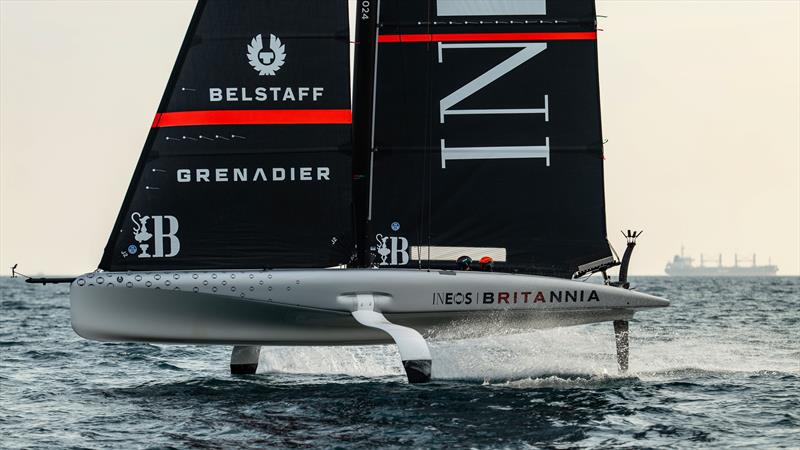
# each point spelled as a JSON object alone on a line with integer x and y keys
{"x": 683, "y": 266}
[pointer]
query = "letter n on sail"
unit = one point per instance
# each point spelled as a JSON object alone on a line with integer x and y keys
{"x": 528, "y": 50}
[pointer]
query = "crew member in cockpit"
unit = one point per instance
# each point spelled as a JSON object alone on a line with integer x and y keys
{"x": 487, "y": 264}
{"x": 464, "y": 263}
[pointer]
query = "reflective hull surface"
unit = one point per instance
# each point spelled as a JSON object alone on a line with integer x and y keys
{"x": 313, "y": 307}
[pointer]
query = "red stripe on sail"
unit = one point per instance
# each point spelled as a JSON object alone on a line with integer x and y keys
{"x": 254, "y": 117}
{"x": 483, "y": 37}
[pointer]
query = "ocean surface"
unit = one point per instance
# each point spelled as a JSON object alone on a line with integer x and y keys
{"x": 719, "y": 368}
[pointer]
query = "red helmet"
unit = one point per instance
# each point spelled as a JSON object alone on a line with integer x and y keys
{"x": 487, "y": 263}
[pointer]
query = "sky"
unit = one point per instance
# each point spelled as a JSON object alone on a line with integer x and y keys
{"x": 700, "y": 103}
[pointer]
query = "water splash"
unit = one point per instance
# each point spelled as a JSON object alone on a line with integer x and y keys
{"x": 720, "y": 367}
{"x": 585, "y": 352}
{"x": 369, "y": 361}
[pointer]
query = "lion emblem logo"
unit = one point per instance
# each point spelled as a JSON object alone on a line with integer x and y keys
{"x": 266, "y": 61}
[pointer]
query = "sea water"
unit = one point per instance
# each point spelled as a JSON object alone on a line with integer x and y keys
{"x": 719, "y": 368}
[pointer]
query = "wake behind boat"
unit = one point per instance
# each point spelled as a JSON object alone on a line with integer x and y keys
{"x": 472, "y": 132}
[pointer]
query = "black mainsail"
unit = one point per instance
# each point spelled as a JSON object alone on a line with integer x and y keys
{"x": 249, "y": 160}
{"x": 476, "y": 130}
{"x": 488, "y": 135}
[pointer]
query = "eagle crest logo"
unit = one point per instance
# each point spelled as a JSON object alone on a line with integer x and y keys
{"x": 266, "y": 61}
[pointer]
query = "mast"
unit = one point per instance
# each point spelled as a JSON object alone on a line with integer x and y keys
{"x": 364, "y": 82}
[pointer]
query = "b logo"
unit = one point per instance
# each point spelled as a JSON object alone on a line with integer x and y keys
{"x": 393, "y": 248}
{"x": 269, "y": 61}
{"x": 165, "y": 229}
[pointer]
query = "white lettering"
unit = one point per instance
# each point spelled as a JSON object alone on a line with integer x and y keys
{"x": 400, "y": 250}
{"x": 242, "y": 174}
{"x": 527, "y": 52}
{"x": 265, "y": 94}
{"x": 239, "y": 175}
{"x": 202, "y": 175}
{"x": 491, "y": 8}
{"x": 230, "y": 94}
{"x": 184, "y": 175}
{"x": 215, "y": 94}
{"x": 160, "y": 235}
{"x": 497, "y": 152}
{"x": 260, "y": 172}
{"x": 245, "y": 98}
{"x": 275, "y": 92}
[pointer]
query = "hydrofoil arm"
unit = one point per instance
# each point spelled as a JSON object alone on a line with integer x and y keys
{"x": 413, "y": 348}
{"x": 244, "y": 359}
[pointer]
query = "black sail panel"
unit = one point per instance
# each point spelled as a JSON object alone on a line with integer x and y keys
{"x": 248, "y": 163}
{"x": 488, "y": 138}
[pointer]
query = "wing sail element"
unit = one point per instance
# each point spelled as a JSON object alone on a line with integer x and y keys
{"x": 248, "y": 162}
{"x": 488, "y": 134}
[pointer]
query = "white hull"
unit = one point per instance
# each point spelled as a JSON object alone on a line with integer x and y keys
{"x": 314, "y": 307}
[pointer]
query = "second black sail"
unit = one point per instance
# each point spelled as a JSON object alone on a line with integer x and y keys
{"x": 487, "y": 135}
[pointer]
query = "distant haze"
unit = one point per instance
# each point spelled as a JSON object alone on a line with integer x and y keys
{"x": 701, "y": 108}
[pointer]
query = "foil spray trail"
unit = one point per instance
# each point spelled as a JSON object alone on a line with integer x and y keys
{"x": 565, "y": 353}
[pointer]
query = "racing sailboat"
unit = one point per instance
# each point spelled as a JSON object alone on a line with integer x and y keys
{"x": 273, "y": 206}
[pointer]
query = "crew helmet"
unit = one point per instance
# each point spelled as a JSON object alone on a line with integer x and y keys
{"x": 464, "y": 263}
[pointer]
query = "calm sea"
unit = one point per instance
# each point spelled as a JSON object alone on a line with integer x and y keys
{"x": 719, "y": 368}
